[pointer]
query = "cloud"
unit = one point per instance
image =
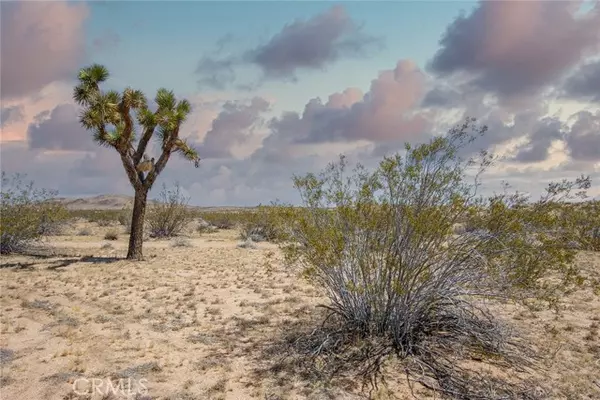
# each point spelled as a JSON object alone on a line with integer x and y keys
{"x": 517, "y": 47}
{"x": 584, "y": 83}
{"x": 10, "y": 115}
{"x": 583, "y": 140}
{"x": 215, "y": 73}
{"x": 311, "y": 44}
{"x": 386, "y": 112}
{"x": 223, "y": 41}
{"x": 107, "y": 41}
{"x": 59, "y": 129}
{"x": 232, "y": 127}
{"x": 28, "y": 107}
{"x": 247, "y": 160}
{"x": 540, "y": 141}
{"x": 443, "y": 97}
{"x": 42, "y": 42}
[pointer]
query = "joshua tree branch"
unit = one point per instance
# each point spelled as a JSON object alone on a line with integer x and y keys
{"x": 135, "y": 179}
{"x": 143, "y": 143}
{"x": 128, "y": 131}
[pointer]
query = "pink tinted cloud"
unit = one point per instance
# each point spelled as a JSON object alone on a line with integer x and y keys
{"x": 517, "y": 47}
{"x": 389, "y": 111}
{"x": 233, "y": 126}
{"x": 42, "y": 42}
{"x": 30, "y": 107}
{"x": 345, "y": 99}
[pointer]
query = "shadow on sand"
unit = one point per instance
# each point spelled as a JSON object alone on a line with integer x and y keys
{"x": 58, "y": 263}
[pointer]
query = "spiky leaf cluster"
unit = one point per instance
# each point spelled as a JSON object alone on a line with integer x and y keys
{"x": 113, "y": 116}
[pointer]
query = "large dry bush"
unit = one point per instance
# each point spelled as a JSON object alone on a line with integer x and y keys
{"x": 170, "y": 215}
{"x": 381, "y": 244}
{"x": 26, "y": 213}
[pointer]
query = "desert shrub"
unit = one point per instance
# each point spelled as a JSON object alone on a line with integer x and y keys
{"x": 382, "y": 246}
{"x": 205, "y": 227}
{"x": 26, "y": 214}
{"x": 85, "y": 232}
{"x": 585, "y": 221}
{"x": 55, "y": 224}
{"x": 222, "y": 219}
{"x": 170, "y": 215}
{"x": 248, "y": 243}
{"x": 111, "y": 235}
{"x": 125, "y": 217}
{"x": 101, "y": 217}
{"x": 261, "y": 225}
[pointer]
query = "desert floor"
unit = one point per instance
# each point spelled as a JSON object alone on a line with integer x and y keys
{"x": 199, "y": 322}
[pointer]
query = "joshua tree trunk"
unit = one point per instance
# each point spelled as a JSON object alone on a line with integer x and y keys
{"x": 137, "y": 225}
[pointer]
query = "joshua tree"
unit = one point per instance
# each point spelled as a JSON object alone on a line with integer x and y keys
{"x": 110, "y": 115}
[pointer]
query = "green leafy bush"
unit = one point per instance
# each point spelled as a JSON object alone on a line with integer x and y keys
{"x": 585, "y": 221}
{"x": 26, "y": 214}
{"x": 403, "y": 279}
{"x": 383, "y": 245}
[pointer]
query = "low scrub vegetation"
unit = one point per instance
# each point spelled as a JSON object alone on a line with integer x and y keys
{"x": 170, "y": 215}
{"x": 125, "y": 217}
{"x": 382, "y": 245}
{"x": 223, "y": 219}
{"x": 205, "y": 227}
{"x": 111, "y": 235}
{"x": 101, "y": 217}
{"x": 262, "y": 224}
{"x": 27, "y": 214}
{"x": 585, "y": 221}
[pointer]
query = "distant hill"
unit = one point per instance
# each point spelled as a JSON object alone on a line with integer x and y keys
{"x": 117, "y": 202}
{"x": 102, "y": 202}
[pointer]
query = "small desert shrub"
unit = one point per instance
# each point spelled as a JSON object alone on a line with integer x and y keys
{"x": 261, "y": 225}
{"x": 53, "y": 225}
{"x": 170, "y": 215}
{"x": 111, "y": 235}
{"x": 85, "y": 232}
{"x": 221, "y": 220}
{"x": 104, "y": 222}
{"x": 205, "y": 227}
{"x": 247, "y": 244}
{"x": 125, "y": 217}
{"x": 26, "y": 213}
{"x": 382, "y": 246}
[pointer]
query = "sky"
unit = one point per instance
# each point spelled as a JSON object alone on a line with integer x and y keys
{"x": 281, "y": 88}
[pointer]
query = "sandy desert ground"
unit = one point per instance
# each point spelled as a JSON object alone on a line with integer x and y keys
{"x": 199, "y": 322}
